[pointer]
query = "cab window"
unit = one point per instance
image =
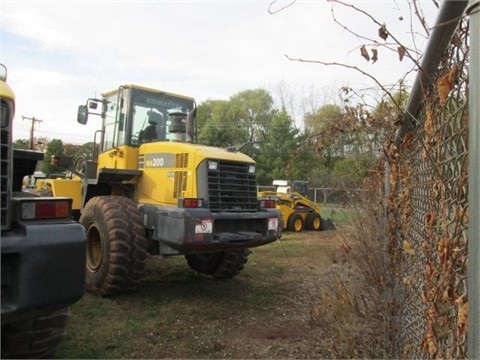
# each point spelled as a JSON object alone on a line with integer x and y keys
{"x": 110, "y": 120}
{"x": 115, "y": 120}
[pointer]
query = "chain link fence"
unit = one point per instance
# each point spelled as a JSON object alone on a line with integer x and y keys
{"x": 427, "y": 201}
{"x": 335, "y": 196}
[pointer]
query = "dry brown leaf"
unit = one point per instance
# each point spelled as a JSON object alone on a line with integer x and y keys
{"x": 444, "y": 250}
{"x": 364, "y": 53}
{"x": 445, "y": 84}
{"x": 405, "y": 216}
{"x": 401, "y": 52}
{"x": 432, "y": 312}
{"x": 430, "y": 219}
{"x": 382, "y": 32}
{"x": 374, "y": 55}
{"x": 408, "y": 248}
{"x": 447, "y": 294}
{"x": 407, "y": 141}
{"x": 424, "y": 154}
{"x": 429, "y": 123}
{"x": 462, "y": 317}
{"x": 461, "y": 213}
{"x": 392, "y": 179}
{"x": 430, "y": 342}
{"x": 408, "y": 280}
{"x": 430, "y": 270}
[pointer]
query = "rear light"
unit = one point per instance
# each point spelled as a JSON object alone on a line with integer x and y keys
{"x": 191, "y": 203}
{"x": 43, "y": 208}
{"x": 267, "y": 204}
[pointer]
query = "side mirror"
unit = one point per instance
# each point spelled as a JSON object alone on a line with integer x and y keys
{"x": 82, "y": 114}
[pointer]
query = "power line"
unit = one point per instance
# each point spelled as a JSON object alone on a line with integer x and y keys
{"x": 32, "y": 128}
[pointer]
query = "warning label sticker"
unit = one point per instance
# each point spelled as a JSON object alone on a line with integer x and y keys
{"x": 205, "y": 227}
{"x": 272, "y": 223}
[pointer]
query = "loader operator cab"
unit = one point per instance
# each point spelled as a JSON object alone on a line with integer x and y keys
{"x": 133, "y": 115}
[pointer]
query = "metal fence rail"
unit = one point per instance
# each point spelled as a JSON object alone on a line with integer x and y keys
{"x": 428, "y": 199}
{"x": 474, "y": 185}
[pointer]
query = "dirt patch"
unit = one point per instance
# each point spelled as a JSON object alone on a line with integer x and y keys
{"x": 298, "y": 298}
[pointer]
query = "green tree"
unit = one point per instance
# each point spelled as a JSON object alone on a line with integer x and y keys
{"x": 315, "y": 122}
{"x": 21, "y": 144}
{"x": 70, "y": 149}
{"x": 275, "y": 158}
{"x": 244, "y": 118}
{"x": 321, "y": 135}
{"x": 269, "y": 135}
{"x": 215, "y": 127}
{"x": 54, "y": 148}
{"x": 252, "y": 110}
{"x": 350, "y": 171}
{"x": 87, "y": 150}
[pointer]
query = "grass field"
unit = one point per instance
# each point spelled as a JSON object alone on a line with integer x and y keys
{"x": 296, "y": 298}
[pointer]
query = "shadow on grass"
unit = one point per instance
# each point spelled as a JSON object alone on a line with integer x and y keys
{"x": 171, "y": 279}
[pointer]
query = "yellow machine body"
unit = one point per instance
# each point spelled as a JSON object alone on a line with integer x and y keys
{"x": 169, "y": 170}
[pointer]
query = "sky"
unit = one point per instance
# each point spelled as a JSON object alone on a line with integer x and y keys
{"x": 60, "y": 53}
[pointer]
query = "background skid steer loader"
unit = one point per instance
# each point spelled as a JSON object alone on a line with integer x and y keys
{"x": 298, "y": 212}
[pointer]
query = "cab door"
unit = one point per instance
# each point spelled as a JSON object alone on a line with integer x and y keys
{"x": 114, "y": 152}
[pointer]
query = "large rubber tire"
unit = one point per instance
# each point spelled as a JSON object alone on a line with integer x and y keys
{"x": 313, "y": 221}
{"x": 116, "y": 245}
{"x": 221, "y": 266}
{"x": 327, "y": 224}
{"x": 35, "y": 338}
{"x": 295, "y": 223}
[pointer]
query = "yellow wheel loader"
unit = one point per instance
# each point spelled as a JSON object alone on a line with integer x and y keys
{"x": 149, "y": 188}
{"x": 298, "y": 212}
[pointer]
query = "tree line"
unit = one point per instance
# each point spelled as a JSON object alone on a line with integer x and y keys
{"x": 334, "y": 145}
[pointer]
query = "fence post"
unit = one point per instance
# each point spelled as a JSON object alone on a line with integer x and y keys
{"x": 473, "y": 335}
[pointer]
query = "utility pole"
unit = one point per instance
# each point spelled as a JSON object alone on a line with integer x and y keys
{"x": 33, "y": 120}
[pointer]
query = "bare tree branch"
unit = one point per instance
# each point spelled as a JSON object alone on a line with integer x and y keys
{"x": 270, "y": 11}
{"x": 349, "y": 67}
{"x": 420, "y": 16}
{"x": 407, "y": 51}
{"x": 473, "y": 9}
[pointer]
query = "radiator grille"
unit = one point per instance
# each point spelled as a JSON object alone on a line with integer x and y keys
{"x": 232, "y": 188}
{"x": 180, "y": 183}
{"x": 181, "y": 160}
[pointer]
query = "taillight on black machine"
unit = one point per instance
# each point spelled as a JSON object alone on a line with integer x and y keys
{"x": 44, "y": 208}
{"x": 266, "y": 204}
